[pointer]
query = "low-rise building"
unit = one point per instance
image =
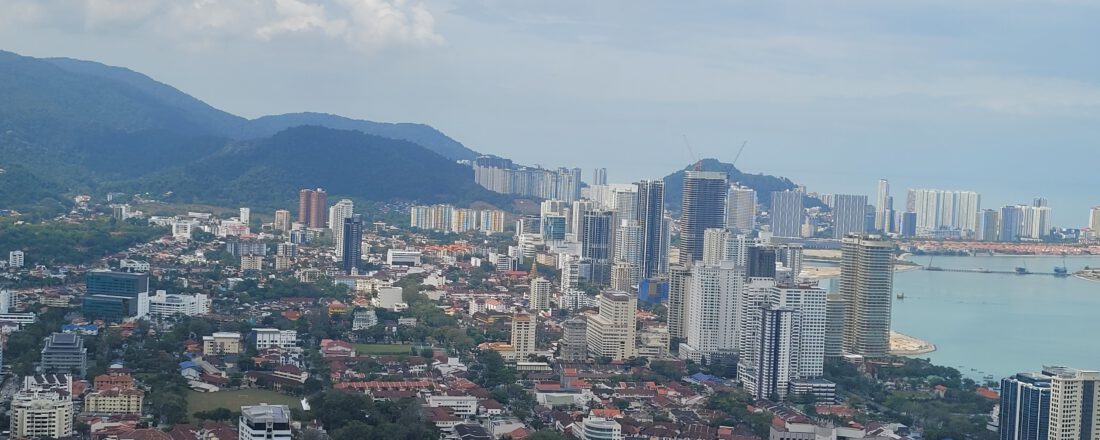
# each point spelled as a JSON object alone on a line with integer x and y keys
{"x": 271, "y": 337}
{"x": 114, "y": 401}
{"x": 222, "y": 343}
{"x": 165, "y": 305}
{"x": 464, "y": 406}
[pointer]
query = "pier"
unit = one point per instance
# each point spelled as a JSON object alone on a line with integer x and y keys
{"x": 1000, "y": 272}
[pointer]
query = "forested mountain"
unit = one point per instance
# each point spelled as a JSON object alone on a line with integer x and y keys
{"x": 73, "y": 126}
{"x": 762, "y": 183}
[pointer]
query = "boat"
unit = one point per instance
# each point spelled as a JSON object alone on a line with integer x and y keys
{"x": 933, "y": 268}
{"x": 1060, "y": 271}
{"x": 1021, "y": 271}
{"x": 901, "y": 295}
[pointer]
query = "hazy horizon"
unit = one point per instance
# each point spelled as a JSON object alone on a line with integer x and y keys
{"x": 995, "y": 97}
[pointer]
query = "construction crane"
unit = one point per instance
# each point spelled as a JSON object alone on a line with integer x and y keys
{"x": 738, "y": 156}
{"x": 697, "y": 164}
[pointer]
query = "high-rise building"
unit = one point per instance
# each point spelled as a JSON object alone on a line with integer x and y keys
{"x": 623, "y": 202}
{"x": 16, "y": 259}
{"x": 654, "y": 229}
{"x": 336, "y": 215}
{"x": 1035, "y": 221}
{"x": 611, "y": 331}
{"x": 679, "y": 285}
{"x": 599, "y": 176}
{"x": 1074, "y": 404}
{"x": 944, "y": 210}
{"x": 554, "y": 227}
{"x": 907, "y": 224}
{"x": 574, "y": 340}
{"x": 703, "y": 207}
{"x": 773, "y": 371}
{"x": 1025, "y": 407}
{"x": 312, "y": 204}
{"x": 866, "y": 284}
{"x": 835, "y": 310}
{"x": 761, "y": 262}
{"x": 245, "y": 216}
{"x": 883, "y": 206}
{"x": 623, "y": 276}
{"x": 1094, "y": 218}
{"x": 628, "y": 248}
{"x": 576, "y": 221}
{"x": 282, "y": 220}
{"x": 264, "y": 422}
{"x": 741, "y": 209}
{"x": 524, "y": 326}
{"x": 352, "y": 242}
{"x": 115, "y": 296}
{"x": 808, "y": 327}
{"x": 849, "y": 215}
{"x": 787, "y": 214}
{"x": 988, "y": 221}
{"x": 540, "y": 294}
{"x": 42, "y": 413}
{"x": 64, "y": 353}
{"x": 1010, "y": 223}
{"x": 596, "y": 244}
{"x": 711, "y": 326}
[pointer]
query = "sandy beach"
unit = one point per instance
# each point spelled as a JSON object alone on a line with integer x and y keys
{"x": 825, "y": 272}
{"x": 905, "y": 345}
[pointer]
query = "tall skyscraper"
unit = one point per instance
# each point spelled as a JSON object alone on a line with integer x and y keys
{"x": 866, "y": 284}
{"x": 599, "y": 176}
{"x": 835, "y": 310}
{"x": 808, "y": 327}
{"x": 577, "y": 221}
{"x": 540, "y": 294}
{"x": 703, "y": 207}
{"x": 741, "y": 209}
{"x": 1094, "y": 218}
{"x": 624, "y": 203}
{"x": 596, "y": 244}
{"x": 1074, "y": 403}
{"x": 611, "y": 332}
{"x": 761, "y": 261}
{"x": 882, "y": 206}
{"x": 710, "y": 324}
{"x": 524, "y": 326}
{"x": 938, "y": 210}
{"x": 650, "y": 217}
{"x": 628, "y": 246}
{"x": 336, "y": 215}
{"x": 1025, "y": 407}
{"x": 988, "y": 221}
{"x": 1010, "y": 223}
{"x": 774, "y": 359}
{"x": 312, "y": 204}
{"x": 574, "y": 340}
{"x": 849, "y": 215}
{"x": 352, "y": 242}
{"x": 245, "y": 216}
{"x": 282, "y": 220}
{"x": 787, "y": 214}
{"x": 679, "y": 284}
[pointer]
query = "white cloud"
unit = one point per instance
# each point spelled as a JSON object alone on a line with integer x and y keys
{"x": 360, "y": 24}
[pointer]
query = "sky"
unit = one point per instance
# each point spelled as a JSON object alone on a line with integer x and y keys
{"x": 1001, "y": 97}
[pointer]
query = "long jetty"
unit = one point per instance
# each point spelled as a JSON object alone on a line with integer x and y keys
{"x": 1000, "y": 272}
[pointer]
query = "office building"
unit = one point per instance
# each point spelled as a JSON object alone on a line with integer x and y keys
{"x": 115, "y": 296}
{"x": 312, "y": 204}
{"x": 540, "y": 294}
{"x": 282, "y": 221}
{"x": 165, "y": 305}
{"x": 524, "y": 326}
{"x": 787, "y": 214}
{"x": 41, "y": 413}
{"x": 64, "y": 353}
{"x": 596, "y": 244}
{"x": 883, "y": 207}
{"x": 221, "y": 343}
{"x": 1074, "y": 403}
{"x": 761, "y": 261}
{"x": 336, "y": 215}
{"x": 939, "y": 210}
{"x": 574, "y": 341}
{"x": 907, "y": 224}
{"x": 264, "y": 422}
{"x": 741, "y": 209}
{"x": 554, "y": 227}
{"x": 679, "y": 284}
{"x": 849, "y": 215}
{"x": 1025, "y": 407}
{"x": 15, "y": 259}
{"x": 654, "y": 230}
{"x": 275, "y": 338}
{"x": 710, "y": 320}
{"x": 352, "y": 243}
{"x": 611, "y": 331}
{"x": 866, "y": 284}
{"x": 703, "y": 207}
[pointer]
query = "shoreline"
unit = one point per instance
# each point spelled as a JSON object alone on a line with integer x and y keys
{"x": 1087, "y": 278}
{"x": 905, "y": 345}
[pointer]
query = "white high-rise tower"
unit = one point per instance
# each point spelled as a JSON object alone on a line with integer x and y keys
{"x": 336, "y": 215}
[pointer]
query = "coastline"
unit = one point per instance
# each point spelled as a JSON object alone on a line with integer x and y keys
{"x": 1090, "y": 278}
{"x": 905, "y": 345}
